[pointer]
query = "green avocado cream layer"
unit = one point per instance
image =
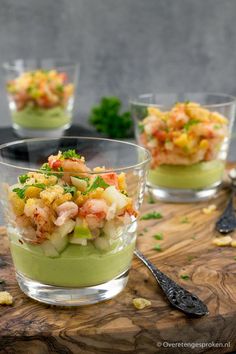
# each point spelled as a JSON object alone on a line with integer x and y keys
{"x": 37, "y": 118}
{"x": 200, "y": 175}
{"x": 77, "y": 266}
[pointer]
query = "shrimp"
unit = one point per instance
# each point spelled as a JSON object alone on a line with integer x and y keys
{"x": 41, "y": 217}
{"x": 97, "y": 207}
{"x": 65, "y": 212}
{"x": 111, "y": 178}
{"x": 72, "y": 166}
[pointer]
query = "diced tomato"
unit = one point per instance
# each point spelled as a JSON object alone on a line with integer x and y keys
{"x": 111, "y": 178}
{"x": 56, "y": 164}
{"x": 160, "y": 135}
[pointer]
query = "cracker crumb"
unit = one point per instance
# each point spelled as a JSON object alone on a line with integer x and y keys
{"x": 140, "y": 303}
{"x": 223, "y": 241}
{"x": 5, "y": 298}
{"x": 233, "y": 243}
{"x": 209, "y": 209}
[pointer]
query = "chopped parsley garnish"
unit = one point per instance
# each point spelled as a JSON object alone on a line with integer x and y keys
{"x": 145, "y": 229}
{"x": 157, "y": 247}
{"x": 70, "y": 154}
{"x": 185, "y": 277}
{"x": 190, "y": 258}
{"x": 152, "y": 215}
{"x": 184, "y": 220}
{"x": 150, "y": 199}
{"x": 21, "y": 191}
{"x": 82, "y": 178}
{"x": 141, "y": 127}
{"x": 158, "y": 236}
{"x": 216, "y": 126}
{"x": 70, "y": 189}
{"x": 23, "y": 178}
{"x": 98, "y": 182}
{"x": 46, "y": 169}
{"x": 190, "y": 123}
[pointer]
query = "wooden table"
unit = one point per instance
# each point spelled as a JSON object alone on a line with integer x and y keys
{"x": 116, "y": 326}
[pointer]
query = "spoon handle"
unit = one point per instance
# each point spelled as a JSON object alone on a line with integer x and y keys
{"x": 227, "y": 221}
{"x": 177, "y": 296}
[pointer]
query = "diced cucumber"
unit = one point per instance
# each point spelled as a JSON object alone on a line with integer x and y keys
{"x": 49, "y": 249}
{"x": 80, "y": 184}
{"x": 112, "y": 229}
{"x": 82, "y": 232}
{"x": 78, "y": 241}
{"x": 59, "y": 242}
{"x": 102, "y": 243}
{"x": 66, "y": 228}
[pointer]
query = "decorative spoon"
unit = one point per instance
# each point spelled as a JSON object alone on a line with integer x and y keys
{"x": 179, "y": 297}
{"x": 227, "y": 221}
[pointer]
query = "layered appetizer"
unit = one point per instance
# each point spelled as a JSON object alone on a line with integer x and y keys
{"x": 185, "y": 143}
{"x": 70, "y": 225}
{"x": 41, "y": 99}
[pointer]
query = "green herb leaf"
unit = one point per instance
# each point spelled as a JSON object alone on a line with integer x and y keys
{"x": 46, "y": 169}
{"x": 190, "y": 258}
{"x": 157, "y": 247}
{"x": 69, "y": 154}
{"x": 98, "y": 182}
{"x": 150, "y": 199}
{"x": 184, "y": 220}
{"x": 190, "y": 123}
{"x": 70, "y": 189}
{"x": 152, "y": 215}
{"x": 158, "y": 236}
{"x": 82, "y": 178}
{"x": 216, "y": 126}
{"x": 23, "y": 178}
{"x": 141, "y": 127}
{"x": 185, "y": 277}
{"x": 21, "y": 191}
{"x": 107, "y": 118}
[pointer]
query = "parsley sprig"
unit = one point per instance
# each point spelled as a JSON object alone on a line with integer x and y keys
{"x": 98, "y": 182}
{"x": 21, "y": 191}
{"x": 70, "y": 154}
{"x": 152, "y": 215}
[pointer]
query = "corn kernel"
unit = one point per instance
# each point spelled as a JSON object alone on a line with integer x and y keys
{"x": 140, "y": 303}
{"x": 182, "y": 140}
{"x": 217, "y": 117}
{"x": 18, "y": 204}
{"x": 204, "y": 144}
{"x": 121, "y": 181}
{"x": 5, "y": 298}
{"x": 32, "y": 192}
{"x": 222, "y": 241}
{"x": 153, "y": 111}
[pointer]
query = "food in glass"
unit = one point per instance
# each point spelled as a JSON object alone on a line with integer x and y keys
{"x": 41, "y": 100}
{"x": 73, "y": 227}
{"x": 188, "y": 144}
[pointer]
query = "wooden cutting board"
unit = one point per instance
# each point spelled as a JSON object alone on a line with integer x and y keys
{"x": 115, "y": 326}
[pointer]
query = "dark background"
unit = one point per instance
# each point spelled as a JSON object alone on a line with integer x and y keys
{"x": 125, "y": 47}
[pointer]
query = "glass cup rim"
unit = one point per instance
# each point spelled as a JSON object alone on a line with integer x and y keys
{"x": 119, "y": 169}
{"x": 137, "y": 101}
{"x": 58, "y": 63}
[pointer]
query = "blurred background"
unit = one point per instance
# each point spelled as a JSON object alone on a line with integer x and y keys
{"x": 125, "y": 47}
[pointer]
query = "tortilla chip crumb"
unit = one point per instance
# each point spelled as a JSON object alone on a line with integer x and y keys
{"x": 140, "y": 303}
{"x": 5, "y": 298}
{"x": 209, "y": 209}
{"x": 223, "y": 241}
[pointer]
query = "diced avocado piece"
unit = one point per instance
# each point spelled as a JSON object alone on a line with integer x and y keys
{"x": 81, "y": 231}
{"x": 49, "y": 249}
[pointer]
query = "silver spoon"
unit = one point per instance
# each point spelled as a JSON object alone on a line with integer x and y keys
{"x": 227, "y": 221}
{"x": 179, "y": 297}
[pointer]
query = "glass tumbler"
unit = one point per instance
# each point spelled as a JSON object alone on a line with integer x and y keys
{"x": 72, "y": 222}
{"x": 188, "y": 137}
{"x": 41, "y": 96}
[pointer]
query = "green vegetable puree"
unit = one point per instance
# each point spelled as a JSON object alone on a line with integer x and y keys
{"x": 77, "y": 265}
{"x": 200, "y": 175}
{"x": 38, "y": 118}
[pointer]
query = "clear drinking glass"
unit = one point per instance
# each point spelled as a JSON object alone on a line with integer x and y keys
{"x": 188, "y": 137}
{"x": 41, "y": 96}
{"x": 72, "y": 263}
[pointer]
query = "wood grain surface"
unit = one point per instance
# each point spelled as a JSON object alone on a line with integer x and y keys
{"x": 115, "y": 326}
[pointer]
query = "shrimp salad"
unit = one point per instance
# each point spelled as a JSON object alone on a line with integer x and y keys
{"x": 67, "y": 202}
{"x": 185, "y": 135}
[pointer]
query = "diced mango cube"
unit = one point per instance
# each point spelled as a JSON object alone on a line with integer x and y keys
{"x": 182, "y": 140}
{"x": 32, "y": 192}
{"x": 204, "y": 144}
{"x": 222, "y": 241}
{"x": 140, "y": 303}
